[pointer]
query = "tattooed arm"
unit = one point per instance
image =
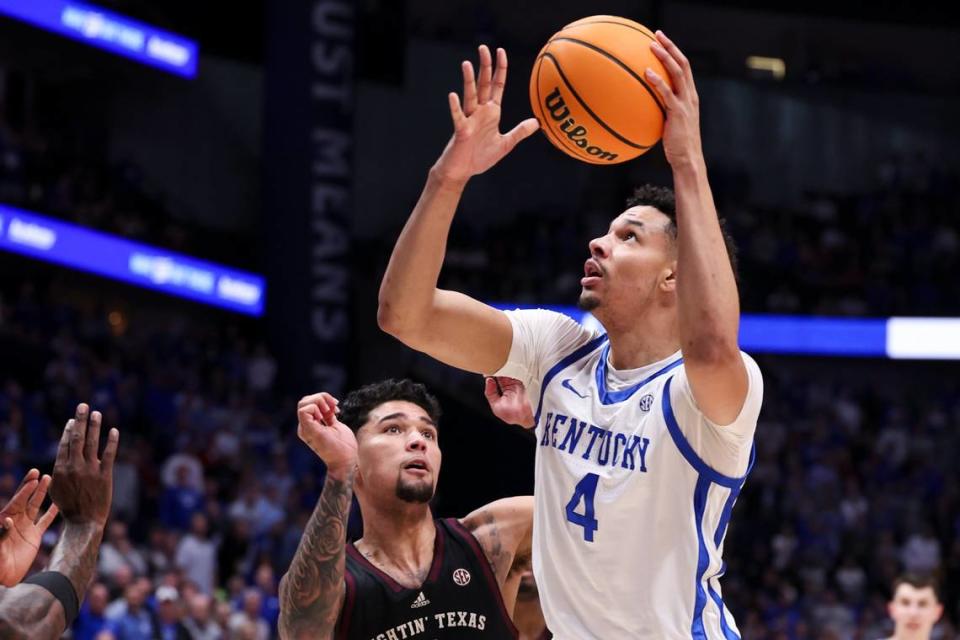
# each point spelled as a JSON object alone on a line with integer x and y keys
{"x": 30, "y": 611}
{"x": 82, "y": 489}
{"x": 503, "y": 529}
{"x": 312, "y": 590}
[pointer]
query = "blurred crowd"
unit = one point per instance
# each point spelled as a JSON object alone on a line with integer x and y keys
{"x": 855, "y": 483}
{"x": 891, "y": 250}
{"x": 58, "y": 166}
{"x": 210, "y": 494}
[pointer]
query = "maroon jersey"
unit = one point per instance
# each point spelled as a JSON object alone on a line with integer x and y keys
{"x": 459, "y": 599}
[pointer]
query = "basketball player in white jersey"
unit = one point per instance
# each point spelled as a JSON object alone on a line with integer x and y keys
{"x": 645, "y": 432}
{"x": 914, "y": 608}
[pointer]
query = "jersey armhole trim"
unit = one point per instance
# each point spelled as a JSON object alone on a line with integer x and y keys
{"x": 563, "y": 364}
{"x": 343, "y": 623}
{"x": 680, "y": 441}
{"x": 460, "y": 531}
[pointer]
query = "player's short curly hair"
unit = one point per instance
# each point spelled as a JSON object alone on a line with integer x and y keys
{"x": 356, "y": 407}
{"x": 663, "y": 200}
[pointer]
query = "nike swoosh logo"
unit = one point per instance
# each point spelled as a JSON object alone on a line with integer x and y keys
{"x": 566, "y": 385}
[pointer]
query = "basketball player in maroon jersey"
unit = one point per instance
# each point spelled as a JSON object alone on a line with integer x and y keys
{"x": 409, "y": 575}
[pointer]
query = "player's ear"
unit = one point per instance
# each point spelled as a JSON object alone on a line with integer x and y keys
{"x": 668, "y": 277}
{"x": 358, "y": 478}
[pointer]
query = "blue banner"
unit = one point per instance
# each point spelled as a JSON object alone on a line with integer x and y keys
{"x": 69, "y": 245}
{"x": 897, "y": 338}
{"x": 110, "y": 31}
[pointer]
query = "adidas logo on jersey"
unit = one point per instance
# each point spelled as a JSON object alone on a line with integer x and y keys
{"x": 421, "y": 601}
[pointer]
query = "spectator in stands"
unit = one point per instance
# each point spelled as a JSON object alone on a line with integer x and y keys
{"x": 197, "y": 554}
{"x": 180, "y": 500}
{"x": 914, "y": 608}
{"x": 92, "y": 618}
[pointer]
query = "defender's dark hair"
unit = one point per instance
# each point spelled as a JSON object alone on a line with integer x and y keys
{"x": 663, "y": 200}
{"x": 356, "y": 407}
{"x": 917, "y": 582}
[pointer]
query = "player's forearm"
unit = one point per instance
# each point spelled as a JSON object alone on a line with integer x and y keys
{"x": 311, "y": 592}
{"x": 410, "y": 282}
{"x": 706, "y": 288}
{"x": 28, "y": 611}
{"x": 75, "y": 555}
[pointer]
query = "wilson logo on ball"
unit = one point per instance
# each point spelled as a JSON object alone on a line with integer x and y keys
{"x": 576, "y": 133}
{"x": 589, "y": 92}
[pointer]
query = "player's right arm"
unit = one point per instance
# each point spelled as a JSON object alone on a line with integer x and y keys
{"x": 312, "y": 590}
{"x": 446, "y": 325}
{"x": 82, "y": 489}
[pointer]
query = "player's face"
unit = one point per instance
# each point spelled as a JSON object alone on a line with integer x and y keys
{"x": 630, "y": 264}
{"x": 914, "y": 611}
{"x": 398, "y": 453}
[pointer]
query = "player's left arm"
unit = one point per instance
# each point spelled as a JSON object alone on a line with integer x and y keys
{"x": 504, "y": 530}
{"x": 709, "y": 305}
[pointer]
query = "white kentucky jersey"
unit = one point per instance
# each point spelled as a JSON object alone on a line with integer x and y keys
{"x": 633, "y": 487}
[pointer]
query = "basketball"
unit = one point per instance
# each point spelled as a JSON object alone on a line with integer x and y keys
{"x": 589, "y": 92}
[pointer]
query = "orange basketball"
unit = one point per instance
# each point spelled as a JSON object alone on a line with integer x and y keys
{"x": 589, "y": 92}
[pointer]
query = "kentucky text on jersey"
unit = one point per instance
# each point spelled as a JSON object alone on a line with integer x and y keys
{"x": 590, "y": 442}
{"x": 423, "y": 624}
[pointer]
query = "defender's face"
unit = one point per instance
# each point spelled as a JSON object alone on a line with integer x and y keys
{"x": 629, "y": 263}
{"x": 398, "y": 453}
{"x": 914, "y": 611}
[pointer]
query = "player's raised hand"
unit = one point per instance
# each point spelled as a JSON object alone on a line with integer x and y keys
{"x": 83, "y": 482}
{"x": 326, "y": 436}
{"x": 508, "y": 400}
{"x": 23, "y": 527}
{"x": 681, "y": 131}
{"x": 477, "y": 143}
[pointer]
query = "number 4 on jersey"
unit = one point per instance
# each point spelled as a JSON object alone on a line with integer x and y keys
{"x": 585, "y": 489}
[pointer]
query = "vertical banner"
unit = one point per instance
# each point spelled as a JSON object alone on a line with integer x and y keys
{"x": 309, "y": 89}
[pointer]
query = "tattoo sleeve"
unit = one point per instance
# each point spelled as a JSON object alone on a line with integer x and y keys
{"x": 312, "y": 590}
{"x": 30, "y": 611}
{"x": 499, "y": 557}
{"x": 75, "y": 556}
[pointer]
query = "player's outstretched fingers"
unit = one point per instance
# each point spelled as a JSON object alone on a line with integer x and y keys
{"x": 78, "y": 433}
{"x": 92, "y": 446}
{"x": 673, "y": 50}
{"x": 63, "y": 449}
{"x": 48, "y": 517}
{"x": 485, "y": 82}
{"x": 37, "y": 498}
{"x": 523, "y": 130}
{"x": 31, "y": 475}
{"x": 499, "y": 77}
{"x": 671, "y": 65}
{"x": 469, "y": 87}
{"x": 682, "y": 61}
{"x": 21, "y": 497}
{"x": 110, "y": 452}
{"x": 456, "y": 113}
{"x": 666, "y": 93}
